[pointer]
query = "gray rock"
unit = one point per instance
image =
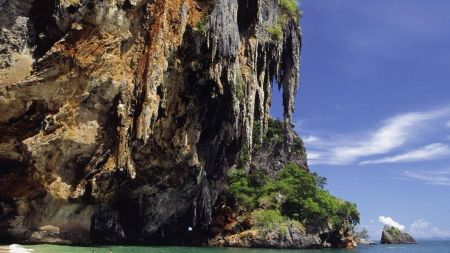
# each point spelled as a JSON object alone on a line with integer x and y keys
{"x": 364, "y": 241}
{"x": 392, "y": 235}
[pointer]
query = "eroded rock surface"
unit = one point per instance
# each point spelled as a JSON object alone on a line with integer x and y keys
{"x": 119, "y": 119}
{"x": 364, "y": 241}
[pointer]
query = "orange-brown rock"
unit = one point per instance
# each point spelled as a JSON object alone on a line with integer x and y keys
{"x": 120, "y": 118}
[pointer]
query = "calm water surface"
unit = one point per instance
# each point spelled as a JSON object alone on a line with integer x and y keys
{"x": 422, "y": 247}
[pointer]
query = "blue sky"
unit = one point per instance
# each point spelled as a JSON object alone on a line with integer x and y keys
{"x": 373, "y": 108}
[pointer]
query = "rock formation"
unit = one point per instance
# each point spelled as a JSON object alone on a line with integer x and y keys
{"x": 268, "y": 158}
{"x": 120, "y": 118}
{"x": 235, "y": 223}
{"x": 392, "y": 235}
{"x": 364, "y": 241}
{"x": 338, "y": 238}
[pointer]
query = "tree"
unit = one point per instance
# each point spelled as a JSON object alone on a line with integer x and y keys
{"x": 362, "y": 234}
{"x": 321, "y": 181}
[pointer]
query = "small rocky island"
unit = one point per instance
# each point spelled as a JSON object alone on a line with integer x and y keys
{"x": 364, "y": 241}
{"x": 392, "y": 235}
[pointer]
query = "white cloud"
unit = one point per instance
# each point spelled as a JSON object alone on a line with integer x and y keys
{"x": 430, "y": 152}
{"x": 313, "y": 156}
{"x": 436, "y": 232}
{"x": 420, "y": 229}
{"x": 390, "y": 222}
{"x": 393, "y": 133}
{"x": 430, "y": 177}
{"x": 311, "y": 139}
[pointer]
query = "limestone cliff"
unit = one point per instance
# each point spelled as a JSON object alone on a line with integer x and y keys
{"x": 120, "y": 118}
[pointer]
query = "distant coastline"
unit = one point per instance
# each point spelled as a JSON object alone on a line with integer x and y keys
{"x": 434, "y": 239}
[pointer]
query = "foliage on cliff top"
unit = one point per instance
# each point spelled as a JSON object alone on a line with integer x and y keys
{"x": 275, "y": 134}
{"x": 295, "y": 194}
{"x": 290, "y": 6}
{"x": 394, "y": 232}
{"x": 289, "y": 9}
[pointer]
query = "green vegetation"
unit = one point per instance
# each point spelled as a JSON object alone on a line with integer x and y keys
{"x": 275, "y": 135}
{"x": 294, "y": 195}
{"x": 239, "y": 89}
{"x": 394, "y": 232}
{"x": 256, "y": 135}
{"x": 268, "y": 219}
{"x": 364, "y": 234}
{"x": 200, "y": 27}
{"x": 272, "y": 219}
{"x": 290, "y": 7}
{"x": 275, "y": 33}
{"x": 275, "y": 132}
{"x": 245, "y": 156}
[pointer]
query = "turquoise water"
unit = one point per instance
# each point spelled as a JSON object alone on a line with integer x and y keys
{"x": 422, "y": 247}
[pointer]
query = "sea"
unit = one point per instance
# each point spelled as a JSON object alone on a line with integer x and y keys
{"x": 422, "y": 247}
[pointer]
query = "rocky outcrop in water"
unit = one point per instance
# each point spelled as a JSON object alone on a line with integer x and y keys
{"x": 119, "y": 119}
{"x": 239, "y": 223}
{"x": 338, "y": 238}
{"x": 292, "y": 238}
{"x": 364, "y": 241}
{"x": 268, "y": 157}
{"x": 392, "y": 235}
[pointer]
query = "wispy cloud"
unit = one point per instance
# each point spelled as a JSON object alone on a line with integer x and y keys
{"x": 393, "y": 133}
{"x": 430, "y": 177}
{"x": 429, "y": 152}
{"x": 420, "y": 228}
{"x": 312, "y": 139}
{"x": 390, "y": 222}
{"x": 314, "y": 156}
{"x": 439, "y": 233}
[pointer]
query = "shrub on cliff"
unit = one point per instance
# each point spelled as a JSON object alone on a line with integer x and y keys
{"x": 290, "y": 6}
{"x": 276, "y": 34}
{"x": 240, "y": 189}
{"x": 295, "y": 195}
{"x": 364, "y": 234}
{"x": 306, "y": 201}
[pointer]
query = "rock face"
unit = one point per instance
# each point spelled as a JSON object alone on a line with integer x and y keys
{"x": 364, "y": 241}
{"x": 338, "y": 238}
{"x": 119, "y": 119}
{"x": 227, "y": 231}
{"x": 292, "y": 238}
{"x": 392, "y": 235}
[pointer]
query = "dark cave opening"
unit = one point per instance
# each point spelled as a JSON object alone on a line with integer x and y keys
{"x": 247, "y": 14}
{"x": 43, "y": 31}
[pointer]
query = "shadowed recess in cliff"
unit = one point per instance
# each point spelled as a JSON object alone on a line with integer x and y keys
{"x": 202, "y": 212}
{"x": 41, "y": 34}
{"x": 247, "y": 14}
